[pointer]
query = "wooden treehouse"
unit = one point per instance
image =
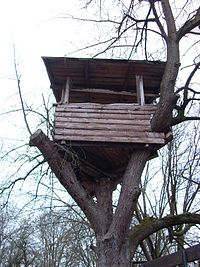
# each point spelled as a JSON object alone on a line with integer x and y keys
{"x": 103, "y": 111}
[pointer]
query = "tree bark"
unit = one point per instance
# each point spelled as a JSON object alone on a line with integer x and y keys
{"x": 111, "y": 230}
{"x": 65, "y": 174}
{"x": 113, "y": 246}
{"x": 162, "y": 118}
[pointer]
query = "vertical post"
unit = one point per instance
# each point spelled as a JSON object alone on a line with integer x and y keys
{"x": 65, "y": 92}
{"x": 140, "y": 90}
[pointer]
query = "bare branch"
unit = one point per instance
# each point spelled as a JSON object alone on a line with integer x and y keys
{"x": 163, "y": 33}
{"x": 189, "y": 25}
{"x": 148, "y": 227}
{"x": 20, "y": 93}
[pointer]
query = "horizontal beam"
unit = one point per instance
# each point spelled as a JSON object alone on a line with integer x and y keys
{"x": 118, "y": 106}
{"x": 174, "y": 259}
{"x": 116, "y": 139}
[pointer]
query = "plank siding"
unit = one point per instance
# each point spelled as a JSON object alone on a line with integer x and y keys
{"x": 121, "y": 123}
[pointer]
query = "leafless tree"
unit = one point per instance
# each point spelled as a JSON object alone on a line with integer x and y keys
{"x": 117, "y": 240}
{"x": 114, "y": 244}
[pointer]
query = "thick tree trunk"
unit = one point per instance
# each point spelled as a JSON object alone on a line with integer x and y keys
{"x": 112, "y": 242}
{"x": 109, "y": 254}
{"x": 111, "y": 229}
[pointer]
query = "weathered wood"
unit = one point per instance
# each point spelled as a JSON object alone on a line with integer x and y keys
{"x": 117, "y": 106}
{"x": 104, "y": 116}
{"x": 176, "y": 258}
{"x": 123, "y": 123}
{"x": 109, "y": 111}
{"x": 107, "y": 92}
{"x": 102, "y": 121}
{"x": 117, "y": 139}
{"x": 140, "y": 90}
{"x": 65, "y": 92}
{"x": 101, "y": 126}
{"x": 77, "y": 132}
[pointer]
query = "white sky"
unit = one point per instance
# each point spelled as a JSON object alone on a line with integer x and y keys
{"x": 32, "y": 26}
{"x": 35, "y": 31}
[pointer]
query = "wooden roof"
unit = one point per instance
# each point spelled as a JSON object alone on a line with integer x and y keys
{"x": 103, "y": 74}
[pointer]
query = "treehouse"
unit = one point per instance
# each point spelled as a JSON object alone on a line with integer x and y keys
{"x": 103, "y": 111}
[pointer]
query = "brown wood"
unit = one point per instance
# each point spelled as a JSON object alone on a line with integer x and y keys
{"x": 90, "y": 138}
{"x": 103, "y": 121}
{"x": 123, "y": 123}
{"x": 101, "y": 115}
{"x": 117, "y": 106}
{"x": 113, "y": 75}
{"x": 109, "y": 111}
{"x": 101, "y": 126}
{"x": 176, "y": 258}
{"x": 104, "y": 133}
{"x": 65, "y": 92}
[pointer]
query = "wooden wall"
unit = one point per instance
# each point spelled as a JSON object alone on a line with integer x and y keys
{"x": 121, "y": 123}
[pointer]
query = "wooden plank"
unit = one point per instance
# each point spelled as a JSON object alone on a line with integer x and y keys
{"x": 117, "y": 106}
{"x": 103, "y": 91}
{"x": 115, "y": 139}
{"x": 176, "y": 258}
{"x": 103, "y": 121}
{"x": 122, "y": 111}
{"x": 108, "y": 92}
{"x": 111, "y": 133}
{"x": 140, "y": 90}
{"x": 102, "y": 116}
{"x": 65, "y": 92}
{"x": 101, "y": 126}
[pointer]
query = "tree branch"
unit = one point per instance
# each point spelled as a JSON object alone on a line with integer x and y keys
{"x": 148, "y": 227}
{"x": 64, "y": 172}
{"x": 189, "y": 25}
{"x": 20, "y": 93}
{"x": 163, "y": 33}
{"x": 177, "y": 120}
{"x": 162, "y": 118}
{"x": 129, "y": 196}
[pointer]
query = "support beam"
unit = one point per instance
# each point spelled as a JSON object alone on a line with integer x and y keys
{"x": 140, "y": 90}
{"x": 65, "y": 92}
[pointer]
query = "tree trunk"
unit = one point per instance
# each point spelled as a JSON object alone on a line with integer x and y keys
{"x": 109, "y": 254}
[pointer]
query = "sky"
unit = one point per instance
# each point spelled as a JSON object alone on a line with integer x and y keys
{"x": 33, "y": 29}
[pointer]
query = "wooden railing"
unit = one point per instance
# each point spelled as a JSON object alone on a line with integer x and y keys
{"x": 123, "y": 123}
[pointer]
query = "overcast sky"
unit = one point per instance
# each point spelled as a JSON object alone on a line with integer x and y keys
{"x": 35, "y": 30}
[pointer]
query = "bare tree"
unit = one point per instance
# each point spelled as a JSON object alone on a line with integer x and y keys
{"x": 117, "y": 240}
{"x": 114, "y": 244}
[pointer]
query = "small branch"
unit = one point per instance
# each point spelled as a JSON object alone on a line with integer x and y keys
{"x": 189, "y": 25}
{"x": 20, "y": 93}
{"x": 178, "y": 120}
{"x": 185, "y": 94}
{"x": 163, "y": 33}
{"x": 141, "y": 20}
{"x": 88, "y": 19}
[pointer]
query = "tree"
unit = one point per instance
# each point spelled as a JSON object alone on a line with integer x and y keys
{"x": 114, "y": 247}
{"x": 116, "y": 242}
